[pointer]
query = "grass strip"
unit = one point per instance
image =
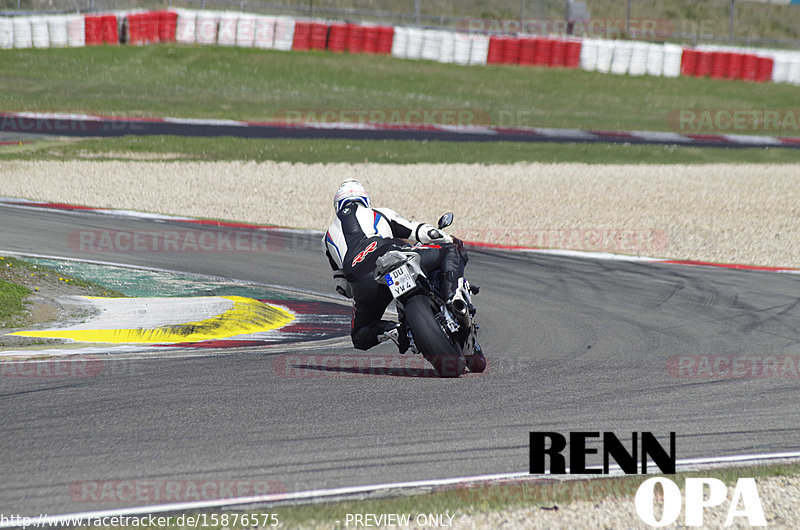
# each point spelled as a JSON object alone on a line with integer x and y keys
{"x": 250, "y": 84}
{"x": 483, "y": 498}
{"x": 173, "y": 148}
{"x": 12, "y": 306}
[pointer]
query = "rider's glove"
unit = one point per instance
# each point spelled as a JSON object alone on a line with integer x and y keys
{"x": 341, "y": 284}
{"x": 430, "y": 235}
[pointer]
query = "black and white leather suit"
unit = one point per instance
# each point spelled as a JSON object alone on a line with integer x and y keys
{"x": 360, "y": 235}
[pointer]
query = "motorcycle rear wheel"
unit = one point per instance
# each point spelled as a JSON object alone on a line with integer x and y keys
{"x": 431, "y": 340}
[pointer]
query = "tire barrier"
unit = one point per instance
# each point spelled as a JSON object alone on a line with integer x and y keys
{"x": 535, "y": 51}
{"x": 266, "y": 29}
{"x": 510, "y": 51}
{"x": 654, "y": 64}
{"x": 689, "y": 62}
{"x": 719, "y": 65}
{"x": 705, "y": 61}
{"x": 319, "y": 36}
{"x": 479, "y": 49}
{"x": 23, "y": 37}
{"x": 623, "y": 50}
{"x": 759, "y": 66}
{"x": 302, "y": 36}
{"x": 337, "y": 38}
{"x": 186, "y": 30}
{"x": 448, "y": 49}
{"x": 167, "y": 26}
{"x": 100, "y": 29}
{"x": 527, "y": 51}
{"x": 370, "y": 39}
{"x": 283, "y": 34}
{"x": 58, "y": 31}
{"x": 558, "y": 54}
{"x": 605, "y": 56}
{"x": 385, "y": 40}
{"x": 226, "y": 31}
{"x": 76, "y": 31}
{"x": 589, "y": 53}
{"x": 573, "y": 53}
{"x": 749, "y": 67}
{"x": 543, "y": 51}
{"x": 672, "y": 60}
{"x": 6, "y": 33}
{"x": 639, "y": 53}
{"x": 229, "y": 28}
{"x": 355, "y": 38}
{"x": 764, "y": 70}
{"x": 93, "y": 25}
{"x": 206, "y": 27}
{"x": 246, "y": 30}
{"x": 40, "y": 34}
{"x": 151, "y": 27}
{"x": 495, "y": 52}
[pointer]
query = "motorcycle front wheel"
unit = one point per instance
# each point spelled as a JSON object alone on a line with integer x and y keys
{"x": 431, "y": 340}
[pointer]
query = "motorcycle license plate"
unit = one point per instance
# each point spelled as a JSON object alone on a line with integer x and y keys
{"x": 400, "y": 281}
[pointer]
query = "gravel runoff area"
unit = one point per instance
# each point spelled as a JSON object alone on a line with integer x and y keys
{"x": 778, "y": 496}
{"x": 728, "y": 213}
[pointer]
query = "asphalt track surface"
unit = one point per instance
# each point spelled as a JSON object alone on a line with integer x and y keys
{"x": 573, "y": 344}
{"x": 25, "y": 124}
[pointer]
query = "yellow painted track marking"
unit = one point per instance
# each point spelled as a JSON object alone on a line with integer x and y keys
{"x": 246, "y": 316}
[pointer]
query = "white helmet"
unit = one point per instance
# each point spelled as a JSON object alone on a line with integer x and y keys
{"x": 350, "y": 190}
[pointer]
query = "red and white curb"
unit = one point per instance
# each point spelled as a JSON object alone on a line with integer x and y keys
{"x": 25, "y": 203}
{"x": 86, "y": 125}
{"x": 389, "y": 489}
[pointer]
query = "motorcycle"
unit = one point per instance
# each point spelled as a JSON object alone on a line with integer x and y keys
{"x": 445, "y": 336}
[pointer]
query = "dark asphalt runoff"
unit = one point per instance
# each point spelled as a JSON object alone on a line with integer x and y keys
{"x": 573, "y": 345}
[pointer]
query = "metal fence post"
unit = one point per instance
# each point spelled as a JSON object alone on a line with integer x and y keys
{"x": 730, "y": 23}
{"x": 416, "y": 12}
{"x": 628, "y": 21}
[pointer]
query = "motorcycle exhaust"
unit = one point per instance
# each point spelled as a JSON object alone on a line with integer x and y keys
{"x": 459, "y": 307}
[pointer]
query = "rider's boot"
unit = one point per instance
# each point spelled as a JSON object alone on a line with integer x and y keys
{"x": 395, "y": 332}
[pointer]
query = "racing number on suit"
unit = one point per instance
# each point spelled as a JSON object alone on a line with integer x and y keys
{"x": 363, "y": 254}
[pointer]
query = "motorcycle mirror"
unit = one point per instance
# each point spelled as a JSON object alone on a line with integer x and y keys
{"x": 445, "y": 220}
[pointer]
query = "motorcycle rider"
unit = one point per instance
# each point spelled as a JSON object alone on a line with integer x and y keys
{"x": 358, "y": 236}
